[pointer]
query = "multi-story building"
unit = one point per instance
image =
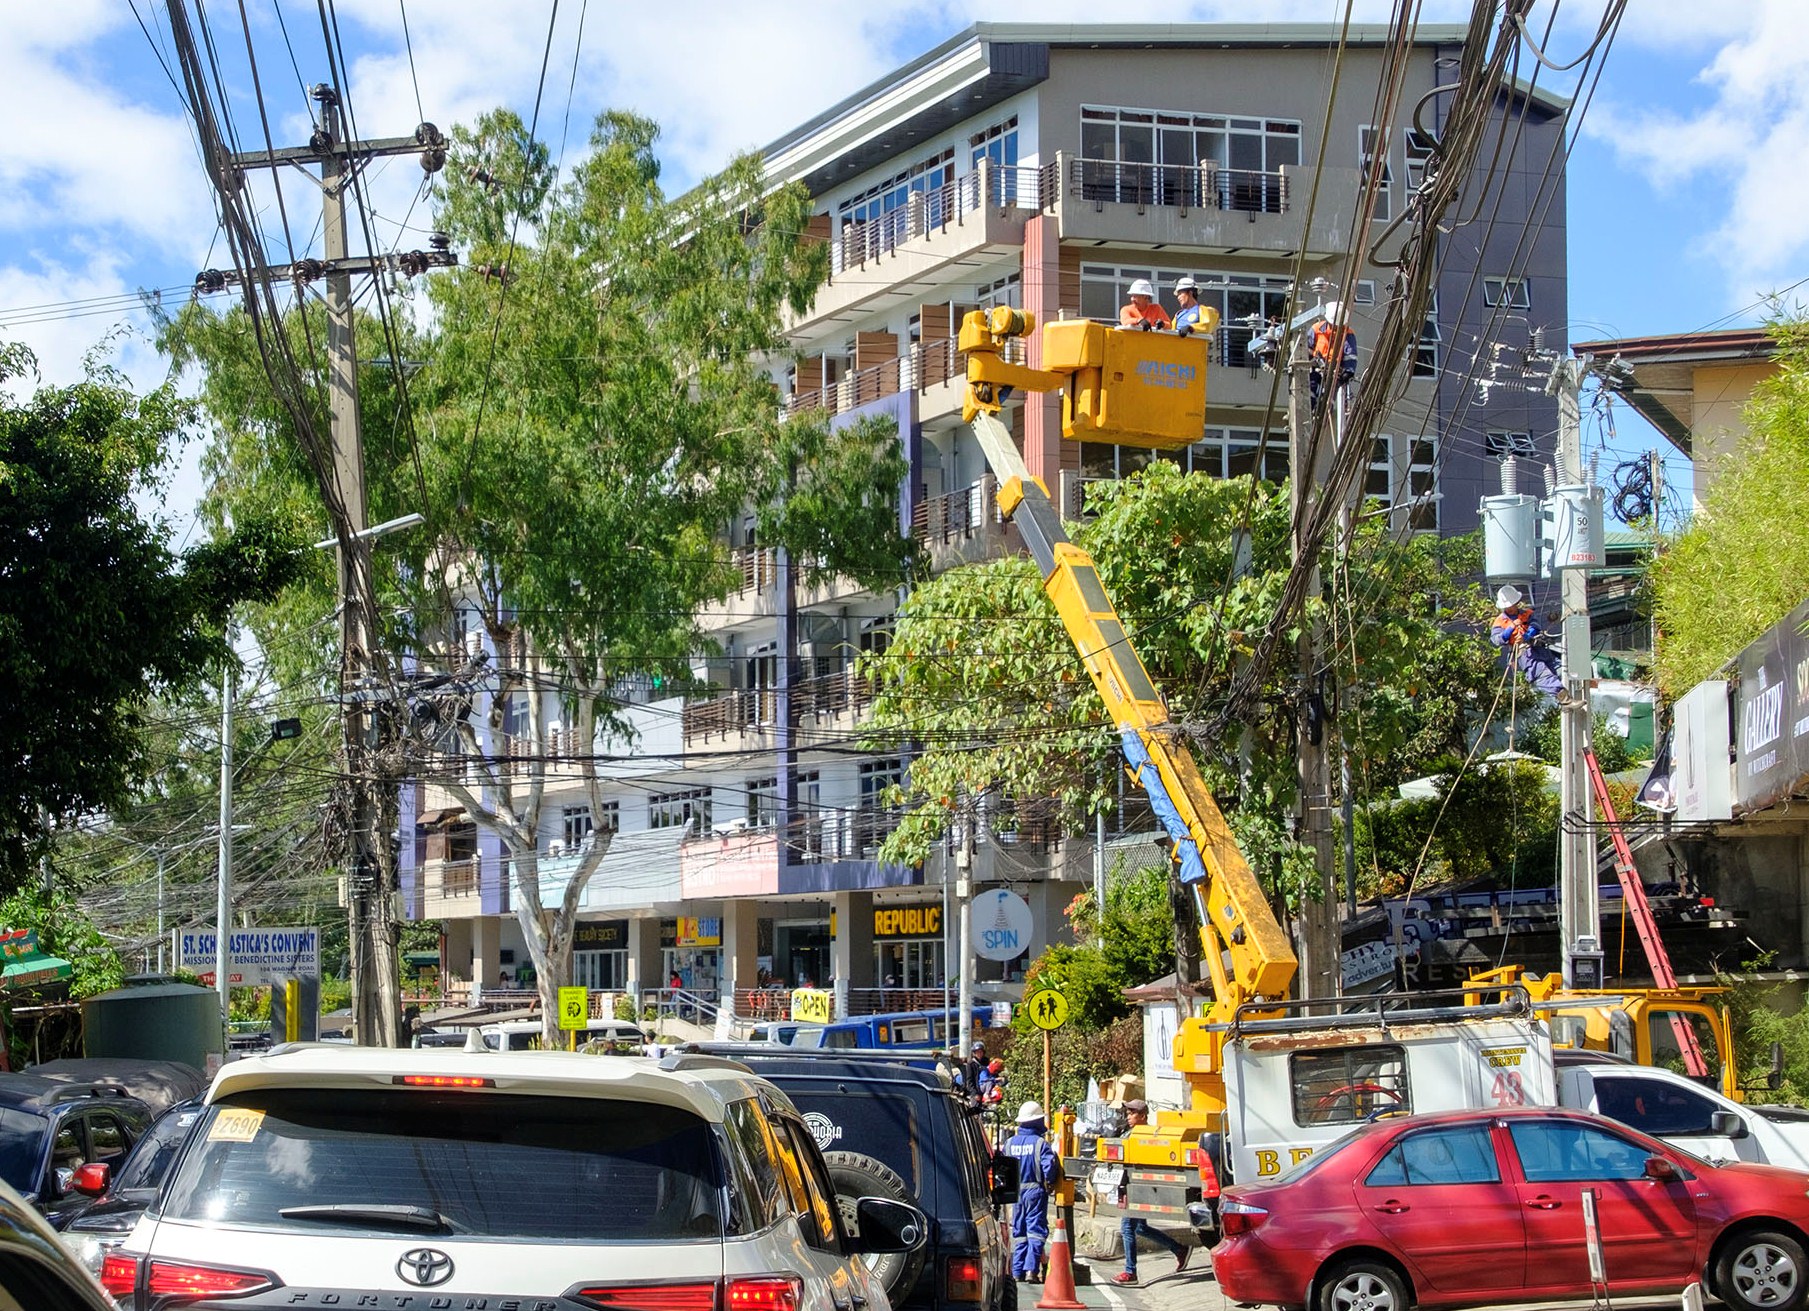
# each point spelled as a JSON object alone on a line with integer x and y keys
{"x": 1044, "y": 167}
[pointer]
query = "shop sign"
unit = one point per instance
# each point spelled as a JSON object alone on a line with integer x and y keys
{"x": 907, "y": 922}
{"x": 255, "y": 958}
{"x": 1000, "y": 925}
{"x": 812, "y": 1005}
{"x": 695, "y": 931}
{"x": 1772, "y": 714}
{"x": 600, "y": 935}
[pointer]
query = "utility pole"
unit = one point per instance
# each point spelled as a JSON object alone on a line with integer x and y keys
{"x": 1319, "y": 968}
{"x": 370, "y": 873}
{"x": 964, "y": 889}
{"x": 223, "y": 910}
{"x": 1579, "y": 910}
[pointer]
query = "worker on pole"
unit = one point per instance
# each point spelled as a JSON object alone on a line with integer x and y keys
{"x": 1334, "y": 354}
{"x": 1517, "y": 632}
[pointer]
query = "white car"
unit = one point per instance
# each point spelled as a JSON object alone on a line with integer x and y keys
{"x": 1686, "y": 1113}
{"x": 399, "y": 1180}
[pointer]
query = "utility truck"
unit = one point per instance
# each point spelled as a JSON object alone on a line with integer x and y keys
{"x": 1267, "y": 1080}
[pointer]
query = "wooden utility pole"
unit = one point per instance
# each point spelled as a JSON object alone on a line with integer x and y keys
{"x": 1308, "y": 465}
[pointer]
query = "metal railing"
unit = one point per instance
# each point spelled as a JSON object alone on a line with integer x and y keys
{"x": 688, "y": 1005}
{"x": 924, "y": 365}
{"x": 958, "y": 515}
{"x": 830, "y": 694}
{"x": 1179, "y": 186}
{"x": 729, "y": 713}
{"x": 759, "y": 566}
{"x": 936, "y": 210}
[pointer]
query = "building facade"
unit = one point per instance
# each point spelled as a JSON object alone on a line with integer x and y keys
{"x": 1044, "y": 167}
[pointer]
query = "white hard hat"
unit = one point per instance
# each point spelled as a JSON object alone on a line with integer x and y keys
{"x": 1141, "y": 287}
{"x": 1332, "y": 310}
{"x": 1184, "y": 284}
{"x": 1030, "y": 1112}
{"x": 1507, "y": 597}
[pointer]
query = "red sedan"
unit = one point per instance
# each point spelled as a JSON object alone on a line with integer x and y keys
{"x": 1473, "y": 1207}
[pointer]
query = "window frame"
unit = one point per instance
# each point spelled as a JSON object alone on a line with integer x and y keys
{"x": 1514, "y": 292}
{"x": 1351, "y": 1075}
{"x": 1368, "y": 137}
{"x": 1406, "y": 1179}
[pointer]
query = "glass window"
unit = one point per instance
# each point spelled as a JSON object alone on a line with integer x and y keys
{"x": 1654, "y": 1106}
{"x": 1349, "y": 1085}
{"x": 601, "y": 1172}
{"x": 762, "y": 1192}
{"x": 106, "y": 1138}
{"x": 1463, "y": 1154}
{"x": 1419, "y": 155}
{"x": 1515, "y": 293}
{"x": 825, "y": 1214}
{"x": 1368, "y": 143}
{"x": 690, "y": 809}
{"x": 763, "y": 803}
{"x": 1568, "y": 1151}
{"x": 1425, "y": 355}
{"x": 1499, "y": 444}
{"x": 1668, "y": 1054}
{"x": 577, "y": 824}
{"x": 155, "y": 1152}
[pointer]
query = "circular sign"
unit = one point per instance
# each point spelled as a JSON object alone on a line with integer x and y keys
{"x": 1048, "y": 1009}
{"x": 999, "y": 925}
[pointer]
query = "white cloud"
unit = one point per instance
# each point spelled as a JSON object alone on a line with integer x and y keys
{"x": 1735, "y": 159}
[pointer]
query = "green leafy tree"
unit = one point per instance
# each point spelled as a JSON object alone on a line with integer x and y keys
{"x": 97, "y": 614}
{"x": 1742, "y": 563}
{"x": 591, "y": 409}
{"x": 1496, "y": 822}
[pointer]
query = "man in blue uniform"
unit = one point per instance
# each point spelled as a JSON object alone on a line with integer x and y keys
{"x": 1037, "y": 1171}
{"x": 1514, "y": 630}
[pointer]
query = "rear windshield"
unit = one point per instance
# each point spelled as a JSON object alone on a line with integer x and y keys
{"x": 486, "y": 1165}
{"x": 21, "y": 1147}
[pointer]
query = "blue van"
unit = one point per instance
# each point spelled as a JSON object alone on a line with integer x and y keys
{"x": 907, "y": 1030}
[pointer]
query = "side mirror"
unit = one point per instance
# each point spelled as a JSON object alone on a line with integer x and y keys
{"x": 888, "y": 1226}
{"x": 1726, "y": 1124}
{"x": 1660, "y": 1169}
{"x": 91, "y": 1179}
{"x": 1007, "y": 1177}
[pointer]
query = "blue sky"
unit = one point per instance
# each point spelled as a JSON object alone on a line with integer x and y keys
{"x": 1679, "y": 218}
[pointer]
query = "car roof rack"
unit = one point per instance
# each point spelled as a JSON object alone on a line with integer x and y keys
{"x": 70, "y": 1092}
{"x": 923, "y": 1060}
{"x": 683, "y": 1059}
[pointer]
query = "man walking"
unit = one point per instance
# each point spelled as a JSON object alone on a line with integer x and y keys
{"x": 1130, "y": 1226}
{"x": 1037, "y": 1169}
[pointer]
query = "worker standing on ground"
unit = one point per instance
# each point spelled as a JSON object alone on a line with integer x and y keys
{"x": 1145, "y": 312}
{"x": 1037, "y": 1170}
{"x": 1514, "y": 630}
{"x": 1334, "y": 354}
{"x": 1136, "y": 1112}
{"x": 1187, "y": 318}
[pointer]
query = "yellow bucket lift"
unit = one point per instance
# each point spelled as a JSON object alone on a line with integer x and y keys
{"x": 1118, "y": 385}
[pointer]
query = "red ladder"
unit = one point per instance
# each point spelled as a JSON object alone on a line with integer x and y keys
{"x": 1635, "y": 893}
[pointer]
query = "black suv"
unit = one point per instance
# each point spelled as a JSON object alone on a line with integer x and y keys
{"x": 894, "y": 1129}
{"x": 50, "y": 1129}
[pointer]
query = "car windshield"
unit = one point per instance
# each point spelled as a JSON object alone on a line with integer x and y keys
{"x": 21, "y": 1147}
{"x": 492, "y": 1165}
{"x": 151, "y": 1159}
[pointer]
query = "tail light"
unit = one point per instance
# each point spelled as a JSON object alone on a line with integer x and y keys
{"x": 652, "y": 1297}
{"x": 1110, "y": 1150}
{"x": 178, "y": 1282}
{"x": 119, "y": 1275}
{"x": 961, "y": 1279}
{"x": 1239, "y": 1217}
{"x": 763, "y": 1293}
{"x": 1209, "y": 1175}
{"x": 753, "y": 1293}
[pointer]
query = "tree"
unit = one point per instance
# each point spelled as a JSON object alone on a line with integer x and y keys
{"x": 983, "y": 682}
{"x": 97, "y": 614}
{"x": 590, "y": 411}
{"x": 1741, "y": 564}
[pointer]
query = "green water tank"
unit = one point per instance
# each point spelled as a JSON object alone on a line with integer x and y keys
{"x": 154, "y": 1018}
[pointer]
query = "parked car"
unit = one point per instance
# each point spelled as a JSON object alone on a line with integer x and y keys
{"x": 36, "y": 1272}
{"x": 1683, "y": 1111}
{"x": 50, "y": 1129}
{"x": 921, "y": 1030}
{"x": 528, "y": 1035}
{"x": 345, "y": 1176}
{"x": 1473, "y": 1207}
{"x": 120, "y": 1196}
{"x": 903, "y": 1130}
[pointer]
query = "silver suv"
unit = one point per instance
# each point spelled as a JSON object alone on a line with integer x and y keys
{"x": 397, "y": 1180}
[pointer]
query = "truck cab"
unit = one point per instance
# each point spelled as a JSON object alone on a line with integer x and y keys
{"x": 1684, "y": 1113}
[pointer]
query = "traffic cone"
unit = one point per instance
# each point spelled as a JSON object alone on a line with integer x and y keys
{"x": 1058, "y": 1288}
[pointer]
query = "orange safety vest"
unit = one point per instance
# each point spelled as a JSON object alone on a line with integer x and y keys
{"x": 1327, "y": 342}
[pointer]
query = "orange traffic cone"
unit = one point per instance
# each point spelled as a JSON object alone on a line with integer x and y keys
{"x": 1058, "y": 1288}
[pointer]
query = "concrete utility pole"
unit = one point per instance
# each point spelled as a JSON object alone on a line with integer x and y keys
{"x": 370, "y": 873}
{"x": 223, "y": 910}
{"x": 1579, "y": 911}
{"x": 1320, "y": 974}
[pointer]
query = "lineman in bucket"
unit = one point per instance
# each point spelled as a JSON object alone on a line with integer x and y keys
{"x": 1037, "y": 1169}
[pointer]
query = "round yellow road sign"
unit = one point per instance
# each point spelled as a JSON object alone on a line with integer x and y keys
{"x": 1048, "y": 1009}
{"x": 574, "y": 1007}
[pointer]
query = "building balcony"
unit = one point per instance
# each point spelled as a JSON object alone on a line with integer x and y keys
{"x": 1204, "y": 207}
{"x": 935, "y": 370}
{"x": 832, "y": 699}
{"x": 449, "y": 889}
{"x": 755, "y": 599}
{"x": 739, "y": 719}
{"x": 963, "y": 526}
{"x": 881, "y": 263}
